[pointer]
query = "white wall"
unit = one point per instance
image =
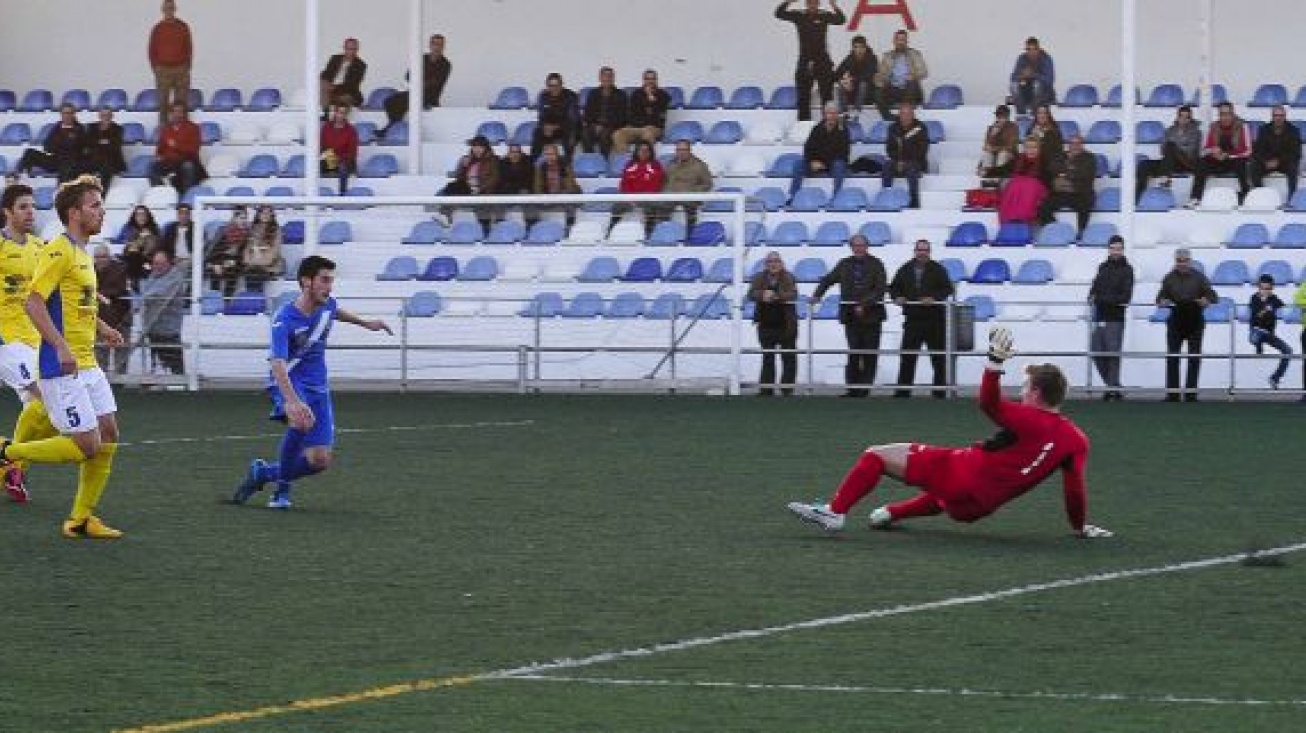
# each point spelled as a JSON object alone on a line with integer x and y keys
{"x": 494, "y": 43}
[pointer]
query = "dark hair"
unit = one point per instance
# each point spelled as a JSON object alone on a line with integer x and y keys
{"x": 310, "y": 266}
{"x": 150, "y": 223}
{"x": 1031, "y": 41}
{"x": 1266, "y": 279}
{"x": 859, "y": 39}
{"x": 1184, "y": 108}
{"x": 12, "y": 193}
{"x": 1115, "y": 239}
{"x": 1002, "y": 111}
{"x": 69, "y": 196}
{"x": 553, "y": 76}
{"x": 1049, "y": 381}
{"x": 1222, "y": 105}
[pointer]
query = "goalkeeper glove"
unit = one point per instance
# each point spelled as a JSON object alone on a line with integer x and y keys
{"x": 1090, "y": 532}
{"x": 1001, "y": 346}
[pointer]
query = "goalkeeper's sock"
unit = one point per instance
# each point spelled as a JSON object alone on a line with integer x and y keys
{"x": 91, "y": 480}
{"x": 60, "y": 449}
{"x": 921, "y": 505}
{"x": 863, "y": 477}
{"x": 33, "y": 424}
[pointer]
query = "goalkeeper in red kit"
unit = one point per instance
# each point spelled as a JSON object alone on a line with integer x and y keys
{"x": 967, "y": 484}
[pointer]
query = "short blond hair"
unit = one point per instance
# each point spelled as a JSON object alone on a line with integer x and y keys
{"x": 70, "y": 194}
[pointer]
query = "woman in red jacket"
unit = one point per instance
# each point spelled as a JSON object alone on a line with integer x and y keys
{"x": 339, "y": 144}
{"x": 643, "y": 174}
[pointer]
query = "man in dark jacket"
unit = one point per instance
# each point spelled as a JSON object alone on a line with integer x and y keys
{"x": 605, "y": 113}
{"x": 342, "y": 79}
{"x": 908, "y": 149}
{"x": 1277, "y": 150}
{"x": 773, "y": 291}
{"x": 922, "y": 288}
{"x": 862, "y": 280}
{"x": 104, "y": 148}
{"x": 814, "y": 62}
{"x": 557, "y": 117}
{"x": 646, "y": 116}
{"x": 825, "y": 152}
{"x": 1072, "y": 184}
{"x": 63, "y": 150}
{"x": 1110, "y": 293}
{"x": 435, "y": 74}
{"x": 1186, "y": 292}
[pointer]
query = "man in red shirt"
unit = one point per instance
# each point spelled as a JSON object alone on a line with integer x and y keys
{"x": 170, "y": 57}
{"x": 970, "y": 483}
{"x": 178, "y": 152}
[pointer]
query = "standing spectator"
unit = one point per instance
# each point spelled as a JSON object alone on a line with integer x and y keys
{"x": 687, "y": 173}
{"x": 171, "y": 53}
{"x": 63, "y": 150}
{"x": 1299, "y": 299}
{"x": 163, "y": 302}
{"x": 104, "y": 148}
{"x": 604, "y": 114}
{"x": 1264, "y": 309}
{"x": 115, "y": 308}
{"x": 854, "y": 79}
{"x": 1072, "y": 184}
{"x": 262, "y": 260}
{"x": 774, "y": 292}
{"x": 814, "y": 62}
{"x": 862, "y": 281}
{"x": 139, "y": 237}
{"x": 825, "y": 152}
{"x": 224, "y": 255}
{"x": 557, "y": 117}
{"x": 1228, "y": 146}
{"x": 1180, "y": 152}
{"x": 1186, "y": 292}
{"x": 477, "y": 173}
{"x": 1033, "y": 78}
{"x": 516, "y": 172}
{"x": 179, "y": 237}
{"x": 342, "y": 79}
{"x": 908, "y": 148}
{"x": 1277, "y": 150}
{"x": 1023, "y": 195}
{"x": 1110, "y": 293}
{"x": 1001, "y": 145}
{"x": 647, "y": 116}
{"x": 922, "y": 288}
{"x": 435, "y": 74}
{"x": 339, "y": 144}
{"x": 178, "y": 153}
{"x": 899, "y": 76}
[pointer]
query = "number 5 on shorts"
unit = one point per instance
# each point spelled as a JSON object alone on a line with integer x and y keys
{"x": 74, "y": 420}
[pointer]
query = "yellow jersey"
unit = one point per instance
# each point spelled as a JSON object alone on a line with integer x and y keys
{"x": 17, "y": 263}
{"x": 65, "y": 280}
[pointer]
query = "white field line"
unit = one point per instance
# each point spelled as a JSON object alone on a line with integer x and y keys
{"x": 347, "y": 431}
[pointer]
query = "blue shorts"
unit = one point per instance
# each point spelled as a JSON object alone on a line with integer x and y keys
{"x": 323, "y": 432}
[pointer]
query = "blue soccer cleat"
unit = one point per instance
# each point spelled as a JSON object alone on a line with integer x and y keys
{"x": 253, "y": 482}
{"x": 280, "y": 499}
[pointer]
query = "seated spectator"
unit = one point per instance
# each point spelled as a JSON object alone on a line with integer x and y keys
{"x": 647, "y": 116}
{"x": 1227, "y": 149}
{"x": 115, "y": 308}
{"x": 342, "y": 79}
{"x": 262, "y": 259}
{"x": 104, "y": 148}
{"x": 140, "y": 238}
{"x": 516, "y": 173}
{"x": 435, "y": 74}
{"x": 63, "y": 150}
{"x": 899, "y": 76}
{"x": 477, "y": 173}
{"x": 1033, "y": 78}
{"x": 557, "y": 116}
{"x": 687, "y": 173}
{"x": 604, "y": 114}
{"x": 643, "y": 174}
{"x": 907, "y": 149}
{"x": 1024, "y": 192}
{"x": 339, "y": 143}
{"x": 1072, "y": 184}
{"x": 163, "y": 305}
{"x": 179, "y": 236}
{"x": 225, "y": 255}
{"x": 1048, "y": 135}
{"x": 1277, "y": 150}
{"x": 1180, "y": 151}
{"x": 178, "y": 153}
{"x": 553, "y": 175}
{"x": 825, "y": 152}
{"x": 854, "y": 79}
{"x": 1001, "y": 144}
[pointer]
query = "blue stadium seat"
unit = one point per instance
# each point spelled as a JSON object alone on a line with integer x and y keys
{"x": 968, "y": 234}
{"x": 494, "y": 131}
{"x": 1115, "y": 96}
{"x": 423, "y": 304}
{"x": 465, "y": 232}
{"x": 1068, "y": 128}
{"x": 877, "y": 233}
{"x": 545, "y": 233}
{"x": 808, "y": 198}
{"x": 784, "y": 165}
{"x": 1221, "y": 311}
{"x": 262, "y": 165}
{"x": 725, "y": 132}
{"x": 1165, "y": 95}
{"x": 669, "y": 233}
{"x": 440, "y": 269}
{"x": 675, "y": 94}
{"x": 828, "y": 309}
{"x": 706, "y": 97}
{"x": 849, "y": 198}
{"x": 4, "y": 164}
{"x": 1156, "y": 199}
{"x": 399, "y": 268}
{"x": 211, "y": 303}
{"x": 1299, "y": 99}
{"x": 691, "y": 130}
{"x": 139, "y": 166}
{"x": 706, "y": 234}
{"x": 788, "y": 234}
{"x": 1291, "y": 236}
{"x": 37, "y": 100}
{"x": 397, "y": 134}
{"x": 945, "y": 96}
{"x": 382, "y": 165}
{"x": 810, "y": 270}
{"x": 246, "y": 303}
{"x": 936, "y": 131}
{"x": 194, "y": 99}
{"x": 1013, "y": 234}
{"x": 709, "y": 306}
{"x": 773, "y": 199}
{"x": 1097, "y": 234}
{"x": 1280, "y": 270}
{"x": 720, "y": 271}
{"x": 878, "y": 134}
{"x": 584, "y": 305}
{"x": 376, "y": 98}
{"x": 1219, "y": 95}
{"x": 427, "y": 231}
{"x": 210, "y": 133}
{"x": 16, "y": 133}
{"x": 991, "y": 271}
{"x": 512, "y": 98}
{"x": 831, "y": 234}
{"x": 1080, "y": 95}
{"x": 80, "y": 99}
{"x": 508, "y": 231}
{"x": 43, "y": 197}
{"x": 589, "y": 165}
{"x": 666, "y": 306}
{"x": 482, "y": 268}
{"x": 600, "y": 270}
{"x": 1055, "y": 234}
{"x": 754, "y": 233}
{"x": 366, "y": 132}
{"x": 1103, "y": 131}
{"x": 889, "y": 199}
{"x": 784, "y": 97}
{"x": 524, "y": 135}
{"x": 1108, "y": 199}
{"x": 279, "y": 191}
{"x": 1149, "y": 132}
{"x": 746, "y": 97}
{"x": 113, "y": 98}
{"x": 625, "y": 305}
{"x": 544, "y": 305}
{"x": 265, "y": 99}
{"x": 985, "y": 308}
{"x": 293, "y": 232}
{"x": 1033, "y": 272}
{"x": 1249, "y": 235}
{"x": 1297, "y": 202}
{"x": 1269, "y": 95}
{"x": 146, "y": 101}
{"x": 643, "y": 270}
{"x": 294, "y": 167}
{"x": 335, "y": 232}
{"x": 133, "y": 133}
{"x": 225, "y": 100}
{"x": 856, "y": 133}
{"x": 684, "y": 270}
{"x": 202, "y": 189}
{"x": 1231, "y": 272}
{"x": 8, "y": 100}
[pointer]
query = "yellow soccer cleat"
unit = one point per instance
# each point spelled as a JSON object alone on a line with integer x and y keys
{"x": 91, "y": 528}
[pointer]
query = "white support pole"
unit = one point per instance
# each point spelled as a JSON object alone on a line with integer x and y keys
{"x": 416, "y": 82}
{"x": 1128, "y": 108}
{"x": 312, "y": 124}
{"x": 199, "y": 222}
{"x": 737, "y": 292}
{"x": 1204, "y": 66}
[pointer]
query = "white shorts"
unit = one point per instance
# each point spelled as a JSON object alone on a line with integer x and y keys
{"x": 75, "y": 401}
{"x": 18, "y": 365}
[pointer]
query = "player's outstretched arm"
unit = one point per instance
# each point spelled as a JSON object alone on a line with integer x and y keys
{"x": 371, "y": 325}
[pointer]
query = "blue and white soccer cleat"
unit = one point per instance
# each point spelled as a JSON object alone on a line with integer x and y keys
{"x": 253, "y": 482}
{"x": 280, "y": 499}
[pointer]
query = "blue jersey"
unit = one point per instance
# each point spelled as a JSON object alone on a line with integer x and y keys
{"x": 300, "y": 340}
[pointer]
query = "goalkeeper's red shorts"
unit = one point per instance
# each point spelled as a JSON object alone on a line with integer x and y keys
{"x": 946, "y": 475}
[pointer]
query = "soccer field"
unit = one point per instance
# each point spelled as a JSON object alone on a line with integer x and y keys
{"x": 625, "y": 563}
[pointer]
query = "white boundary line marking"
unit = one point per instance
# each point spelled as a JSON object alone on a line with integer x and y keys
{"x": 935, "y": 691}
{"x": 349, "y": 431}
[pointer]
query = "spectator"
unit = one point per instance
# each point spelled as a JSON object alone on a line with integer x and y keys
{"x": 557, "y": 116}
{"x": 647, "y": 116}
{"x": 1110, "y": 293}
{"x": 908, "y": 148}
{"x": 1033, "y": 78}
{"x": 104, "y": 148}
{"x": 1264, "y": 315}
{"x": 178, "y": 153}
{"x": 604, "y": 114}
{"x": 115, "y": 308}
{"x": 1024, "y": 193}
{"x": 435, "y": 74}
{"x": 477, "y": 173}
{"x": 854, "y": 79}
{"x": 342, "y": 79}
{"x": 687, "y": 173}
{"x": 1001, "y": 145}
{"x": 163, "y": 304}
{"x": 63, "y": 150}
{"x": 1227, "y": 148}
{"x": 1186, "y": 292}
{"x": 814, "y": 62}
{"x": 899, "y": 76}
{"x": 140, "y": 238}
{"x": 825, "y": 152}
{"x": 171, "y": 53}
{"x": 862, "y": 282}
{"x": 1072, "y": 184}
{"x": 262, "y": 259}
{"x": 339, "y": 144}
{"x": 774, "y": 292}
{"x": 1180, "y": 152}
{"x": 1299, "y": 299}
{"x": 516, "y": 173}
{"x": 1051, "y": 146}
{"x": 179, "y": 237}
{"x": 554, "y": 175}
{"x": 643, "y": 174}
{"x": 922, "y": 288}
{"x": 1277, "y": 150}
{"x": 226, "y": 253}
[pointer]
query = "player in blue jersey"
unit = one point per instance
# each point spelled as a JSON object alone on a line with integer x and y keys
{"x": 301, "y": 396}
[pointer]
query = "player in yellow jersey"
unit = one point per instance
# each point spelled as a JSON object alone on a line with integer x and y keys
{"x": 62, "y": 304}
